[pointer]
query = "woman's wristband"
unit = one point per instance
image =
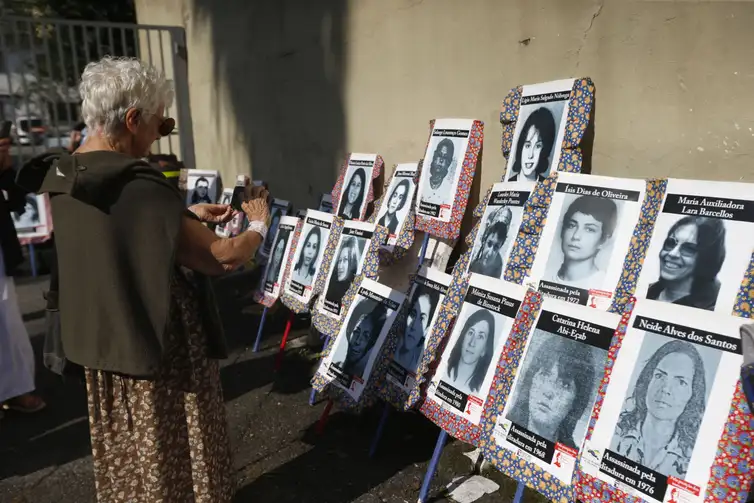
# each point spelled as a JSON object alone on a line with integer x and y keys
{"x": 259, "y": 227}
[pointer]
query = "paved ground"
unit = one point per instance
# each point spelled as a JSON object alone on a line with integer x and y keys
{"x": 278, "y": 457}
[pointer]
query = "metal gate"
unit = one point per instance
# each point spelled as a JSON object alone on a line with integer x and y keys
{"x": 41, "y": 61}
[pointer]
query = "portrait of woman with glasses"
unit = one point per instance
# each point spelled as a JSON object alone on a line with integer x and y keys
{"x": 690, "y": 260}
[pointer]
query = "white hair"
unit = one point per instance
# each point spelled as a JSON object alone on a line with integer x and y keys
{"x": 110, "y": 86}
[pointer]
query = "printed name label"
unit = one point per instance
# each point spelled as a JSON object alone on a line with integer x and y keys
{"x": 318, "y": 222}
{"x": 545, "y": 98}
{"x": 603, "y": 192}
{"x": 694, "y": 335}
{"x": 575, "y": 329}
{"x": 508, "y": 198}
{"x": 713, "y": 207}
{"x": 359, "y": 233}
{"x": 390, "y": 304}
{"x": 451, "y": 133}
{"x": 492, "y": 301}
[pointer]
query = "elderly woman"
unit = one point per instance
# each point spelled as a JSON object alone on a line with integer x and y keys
{"x": 136, "y": 310}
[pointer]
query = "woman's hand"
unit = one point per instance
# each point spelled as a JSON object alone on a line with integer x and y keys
{"x": 256, "y": 210}
{"x": 212, "y": 213}
{"x": 6, "y": 162}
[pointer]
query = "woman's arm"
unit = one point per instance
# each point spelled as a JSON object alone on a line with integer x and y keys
{"x": 203, "y": 251}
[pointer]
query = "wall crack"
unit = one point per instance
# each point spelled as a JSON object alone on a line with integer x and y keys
{"x": 595, "y": 15}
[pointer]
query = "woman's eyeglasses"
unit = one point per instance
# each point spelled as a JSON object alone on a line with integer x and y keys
{"x": 687, "y": 250}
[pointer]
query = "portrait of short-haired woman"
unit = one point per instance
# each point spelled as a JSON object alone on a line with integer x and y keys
{"x": 421, "y": 310}
{"x": 353, "y": 195}
{"x": 395, "y": 203}
{"x": 487, "y": 259}
{"x": 556, "y": 389}
{"x": 534, "y": 147}
{"x": 472, "y": 353}
{"x": 690, "y": 259}
{"x": 306, "y": 265}
{"x": 362, "y": 332}
{"x": 587, "y": 226}
{"x": 660, "y": 420}
{"x": 345, "y": 269}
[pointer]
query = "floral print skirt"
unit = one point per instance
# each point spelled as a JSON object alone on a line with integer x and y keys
{"x": 163, "y": 440}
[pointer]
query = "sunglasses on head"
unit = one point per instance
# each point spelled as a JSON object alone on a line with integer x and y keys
{"x": 686, "y": 249}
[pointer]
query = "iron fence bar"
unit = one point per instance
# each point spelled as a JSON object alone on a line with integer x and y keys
{"x": 123, "y": 41}
{"x": 98, "y": 39}
{"x": 53, "y": 87}
{"x": 151, "y": 62}
{"x": 101, "y": 24}
{"x": 6, "y": 63}
{"x": 64, "y": 72}
{"x": 112, "y": 42}
{"x": 137, "y": 42}
{"x": 182, "y": 98}
{"x": 87, "y": 53}
{"x": 162, "y": 64}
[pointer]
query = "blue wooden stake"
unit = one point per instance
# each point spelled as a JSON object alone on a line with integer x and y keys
{"x": 424, "y": 249}
{"x": 33, "y": 260}
{"x": 519, "y": 497}
{"x": 432, "y": 468}
{"x": 259, "y": 331}
{"x": 380, "y": 428}
{"x": 313, "y": 395}
{"x": 386, "y": 410}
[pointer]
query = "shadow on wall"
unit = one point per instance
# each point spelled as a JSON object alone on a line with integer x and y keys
{"x": 283, "y": 64}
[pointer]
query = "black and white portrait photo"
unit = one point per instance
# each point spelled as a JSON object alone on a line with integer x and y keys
{"x": 33, "y": 214}
{"x": 307, "y": 255}
{"x": 394, "y": 209}
{"x": 277, "y": 259}
{"x": 556, "y": 387}
{"x": 278, "y": 210}
{"x": 325, "y": 203}
{"x": 356, "y": 183}
{"x": 583, "y": 246}
{"x": 538, "y": 136}
{"x": 355, "y": 346}
{"x": 422, "y": 307}
{"x": 474, "y": 347}
{"x": 202, "y": 187}
{"x": 441, "y": 168}
{"x": 690, "y": 259}
{"x": 496, "y": 233}
{"x": 348, "y": 258}
{"x": 666, "y": 400}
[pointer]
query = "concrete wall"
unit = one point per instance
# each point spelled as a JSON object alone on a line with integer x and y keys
{"x": 286, "y": 87}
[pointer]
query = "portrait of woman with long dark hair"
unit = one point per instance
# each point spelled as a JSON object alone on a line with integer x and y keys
{"x": 395, "y": 203}
{"x": 352, "y": 196}
{"x": 557, "y": 388}
{"x": 30, "y": 217}
{"x": 362, "y": 332}
{"x": 660, "y": 420}
{"x": 278, "y": 253}
{"x": 421, "y": 310}
{"x": 472, "y": 353}
{"x": 690, "y": 259}
{"x": 534, "y": 147}
{"x": 346, "y": 266}
{"x": 306, "y": 265}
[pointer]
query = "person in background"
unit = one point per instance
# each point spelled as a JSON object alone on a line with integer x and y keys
{"x": 16, "y": 354}
{"x": 137, "y": 311}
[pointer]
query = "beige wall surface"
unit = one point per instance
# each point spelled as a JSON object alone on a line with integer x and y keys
{"x": 287, "y": 87}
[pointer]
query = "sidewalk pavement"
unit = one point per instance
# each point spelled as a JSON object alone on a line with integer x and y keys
{"x": 278, "y": 458}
